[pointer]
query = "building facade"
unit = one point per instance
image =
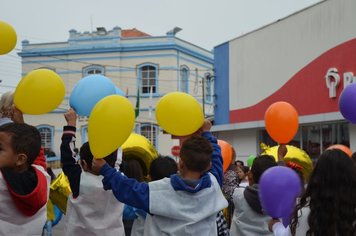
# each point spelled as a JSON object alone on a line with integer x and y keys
{"x": 306, "y": 59}
{"x": 134, "y": 61}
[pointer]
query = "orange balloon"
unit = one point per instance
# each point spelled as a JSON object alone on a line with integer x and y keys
{"x": 226, "y": 153}
{"x": 342, "y": 148}
{"x": 281, "y": 121}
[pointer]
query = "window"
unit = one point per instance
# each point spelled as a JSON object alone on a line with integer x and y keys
{"x": 147, "y": 79}
{"x": 150, "y": 132}
{"x": 208, "y": 90}
{"x": 84, "y": 134}
{"x": 184, "y": 79}
{"x": 93, "y": 69}
{"x": 46, "y": 133}
{"x": 314, "y": 139}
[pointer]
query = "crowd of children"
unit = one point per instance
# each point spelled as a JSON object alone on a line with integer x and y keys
{"x": 184, "y": 198}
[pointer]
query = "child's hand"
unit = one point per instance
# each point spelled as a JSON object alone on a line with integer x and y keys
{"x": 206, "y": 126}
{"x": 282, "y": 151}
{"x": 97, "y": 164}
{"x": 271, "y": 223}
{"x": 71, "y": 117}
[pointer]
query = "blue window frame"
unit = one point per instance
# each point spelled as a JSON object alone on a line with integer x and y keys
{"x": 93, "y": 69}
{"x": 47, "y": 133}
{"x": 84, "y": 133}
{"x": 150, "y": 131}
{"x": 147, "y": 79}
{"x": 184, "y": 79}
{"x": 209, "y": 90}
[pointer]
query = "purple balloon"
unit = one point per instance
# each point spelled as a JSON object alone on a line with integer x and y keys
{"x": 347, "y": 103}
{"x": 279, "y": 188}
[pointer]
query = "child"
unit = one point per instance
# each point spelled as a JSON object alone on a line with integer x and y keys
{"x": 327, "y": 207}
{"x": 132, "y": 168}
{"x": 162, "y": 167}
{"x": 184, "y": 204}
{"x": 231, "y": 181}
{"x": 242, "y": 172}
{"x": 24, "y": 182}
{"x": 248, "y": 218}
{"x": 90, "y": 210}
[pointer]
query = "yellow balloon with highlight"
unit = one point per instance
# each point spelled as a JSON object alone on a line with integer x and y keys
{"x": 294, "y": 154}
{"x": 179, "y": 114}
{"x": 110, "y": 124}
{"x": 39, "y": 92}
{"x": 8, "y": 38}
{"x": 139, "y": 147}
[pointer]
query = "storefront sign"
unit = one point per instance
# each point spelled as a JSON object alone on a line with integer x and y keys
{"x": 332, "y": 79}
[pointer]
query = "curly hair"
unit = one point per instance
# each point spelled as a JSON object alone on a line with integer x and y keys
{"x": 331, "y": 196}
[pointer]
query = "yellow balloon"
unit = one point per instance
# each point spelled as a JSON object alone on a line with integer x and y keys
{"x": 110, "y": 124}
{"x": 8, "y": 38}
{"x": 295, "y": 155}
{"x": 39, "y": 92}
{"x": 138, "y": 146}
{"x": 179, "y": 114}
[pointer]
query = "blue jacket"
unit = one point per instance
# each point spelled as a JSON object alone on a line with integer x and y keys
{"x": 136, "y": 194}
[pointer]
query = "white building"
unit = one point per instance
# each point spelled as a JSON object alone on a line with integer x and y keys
{"x": 132, "y": 59}
{"x": 305, "y": 59}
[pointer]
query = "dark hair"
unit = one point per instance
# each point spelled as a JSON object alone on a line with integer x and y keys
{"x": 353, "y": 157}
{"x": 51, "y": 173}
{"x": 241, "y": 162}
{"x": 244, "y": 169}
{"x": 162, "y": 166}
{"x": 86, "y": 155}
{"x": 24, "y": 139}
{"x": 260, "y": 164}
{"x": 132, "y": 168}
{"x": 196, "y": 153}
{"x": 331, "y": 196}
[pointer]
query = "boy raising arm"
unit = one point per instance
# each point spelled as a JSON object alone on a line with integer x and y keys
{"x": 186, "y": 203}
{"x": 84, "y": 215}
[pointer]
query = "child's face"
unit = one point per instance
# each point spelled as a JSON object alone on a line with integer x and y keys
{"x": 240, "y": 173}
{"x": 7, "y": 154}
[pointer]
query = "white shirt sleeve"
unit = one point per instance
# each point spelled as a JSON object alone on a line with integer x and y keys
{"x": 279, "y": 230}
{"x": 119, "y": 159}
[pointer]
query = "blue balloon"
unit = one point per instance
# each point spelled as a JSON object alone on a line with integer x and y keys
{"x": 279, "y": 188}
{"x": 88, "y": 91}
{"x": 347, "y": 103}
{"x": 119, "y": 91}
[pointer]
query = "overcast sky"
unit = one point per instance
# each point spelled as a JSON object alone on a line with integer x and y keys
{"x": 206, "y": 23}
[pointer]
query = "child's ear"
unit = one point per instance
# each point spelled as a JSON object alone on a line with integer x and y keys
{"x": 180, "y": 163}
{"x": 85, "y": 165}
{"x": 250, "y": 178}
{"x": 21, "y": 159}
{"x": 208, "y": 167}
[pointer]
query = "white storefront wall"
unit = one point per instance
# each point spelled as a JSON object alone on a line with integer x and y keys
{"x": 281, "y": 61}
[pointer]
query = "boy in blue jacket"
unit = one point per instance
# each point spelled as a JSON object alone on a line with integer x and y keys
{"x": 184, "y": 204}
